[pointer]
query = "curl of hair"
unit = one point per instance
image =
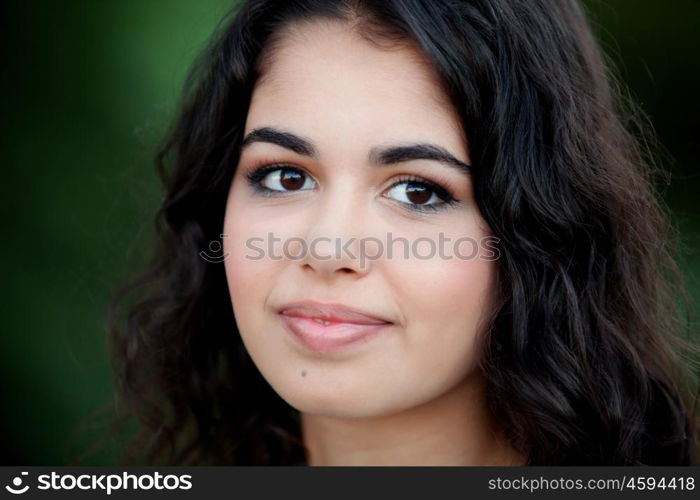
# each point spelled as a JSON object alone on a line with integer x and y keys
{"x": 583, "y": 354}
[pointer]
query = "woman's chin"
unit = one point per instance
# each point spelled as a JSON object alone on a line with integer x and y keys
{"x": 336, "y": 404}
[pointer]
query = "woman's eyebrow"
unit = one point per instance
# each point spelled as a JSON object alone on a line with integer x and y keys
{"x": 397, "y": 154}
{"x": 379, "y": 155}
{"x": 286, "y": 140}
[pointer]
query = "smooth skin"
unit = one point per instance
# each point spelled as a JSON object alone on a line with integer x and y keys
{"x": 413, "y": 395}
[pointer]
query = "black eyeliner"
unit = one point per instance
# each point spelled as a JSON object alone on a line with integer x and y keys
{"x": 258, "y": 174}
{"x": 442, "y": 193}
{"x": 255, "y": 177}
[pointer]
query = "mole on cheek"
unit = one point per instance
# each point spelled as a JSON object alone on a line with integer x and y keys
{"x": 303, "y": 373}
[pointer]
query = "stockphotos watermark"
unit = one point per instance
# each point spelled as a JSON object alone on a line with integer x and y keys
{"x": 360, "y": 249}
{"x": 106, "y": 483}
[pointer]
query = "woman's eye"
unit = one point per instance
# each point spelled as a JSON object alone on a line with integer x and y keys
{"x": 286, "y": 179}
{"x": 416, "y": 193}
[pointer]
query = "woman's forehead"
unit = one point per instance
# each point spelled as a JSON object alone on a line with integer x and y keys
{"x": 325, "y": 75}
{"x": 332, "y": 51}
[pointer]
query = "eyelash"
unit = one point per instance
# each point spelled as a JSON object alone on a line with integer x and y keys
{"x": 257, "y": 174}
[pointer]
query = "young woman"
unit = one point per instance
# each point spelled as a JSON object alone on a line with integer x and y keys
{"x": 358, "y": 160}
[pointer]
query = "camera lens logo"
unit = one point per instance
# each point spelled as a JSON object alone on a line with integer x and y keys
{"x": 216, "y": 256}
{"x": 17, "y": 483}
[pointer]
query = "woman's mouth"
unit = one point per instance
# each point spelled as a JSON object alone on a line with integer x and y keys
{"x": 329, "y": 327}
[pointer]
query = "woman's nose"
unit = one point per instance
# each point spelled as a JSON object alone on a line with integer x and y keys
{"x": 334, "y": 242}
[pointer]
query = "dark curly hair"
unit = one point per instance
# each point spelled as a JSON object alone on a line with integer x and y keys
{"x": 585, "y": 356}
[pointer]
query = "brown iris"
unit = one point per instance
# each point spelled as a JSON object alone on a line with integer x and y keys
{"x": 417, "y": 193}
{"x": 291, "y": 180}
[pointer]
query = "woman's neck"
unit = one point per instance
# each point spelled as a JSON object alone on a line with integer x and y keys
{"x": 453, "y": 429}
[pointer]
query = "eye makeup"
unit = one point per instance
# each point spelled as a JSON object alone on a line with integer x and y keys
{"x": 286, "y": 172}
{"x": 420, "y": 186}
{"x": 417, "y": 188}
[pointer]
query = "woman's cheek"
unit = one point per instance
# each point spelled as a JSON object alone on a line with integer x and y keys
{"x": 446, "y": 299}
{"x": 247, "y": 262}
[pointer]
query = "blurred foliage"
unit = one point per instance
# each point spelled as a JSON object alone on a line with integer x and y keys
{"x": 88, "y": 88}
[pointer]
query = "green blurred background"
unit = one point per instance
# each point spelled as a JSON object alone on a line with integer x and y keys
{"x": 88, "y": 88}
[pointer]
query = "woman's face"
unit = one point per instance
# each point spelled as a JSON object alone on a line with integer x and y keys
{"x": 342, "y": 117}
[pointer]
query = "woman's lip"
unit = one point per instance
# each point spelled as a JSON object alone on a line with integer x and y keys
{"x": 318, "y": 337}
{"x": 332, "y": 313}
